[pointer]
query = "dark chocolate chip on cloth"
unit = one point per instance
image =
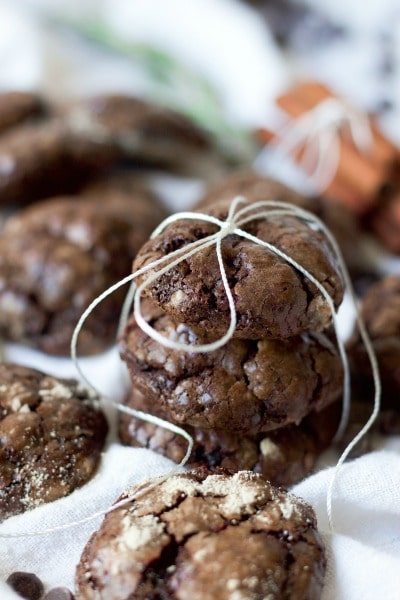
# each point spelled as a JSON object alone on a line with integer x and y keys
{"x": 284, "y": 456}
{"x": 206, "y": 537}
{"x": 380, "y": 309}
{"x": 272, "y": 298}
{"x": 59, "y": 593}
{"x": 58, "y": 255}
{"x": 27, "y": 585}
{"x": 51, "y": 436}
{"x": 246, "y": 386}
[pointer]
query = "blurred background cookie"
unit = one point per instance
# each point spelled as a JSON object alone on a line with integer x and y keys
{"x": 58, "y": 255}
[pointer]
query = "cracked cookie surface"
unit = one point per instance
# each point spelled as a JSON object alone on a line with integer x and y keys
{"x": 206, "y": 537}
{"x": 246, "y": 386}
{"x": 272, "y": 299}
{"x": 58, "y": 255}
{"x": 51, "y": 436}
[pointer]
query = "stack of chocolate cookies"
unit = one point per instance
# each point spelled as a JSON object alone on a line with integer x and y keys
{"x": 267, "y": 399}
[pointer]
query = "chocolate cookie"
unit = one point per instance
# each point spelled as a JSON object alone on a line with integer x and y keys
{"x": 284, "y": 456}
{"x": 251, "y": 185}
{"x": 44, "y": 153}
{"x": 380, "y": 309}
{"x": 206, "y": 537}
{"x": 141, "y": 131}
{"x": 44, "y": 158}
{"x": 123, "y": 192}
{"x": 272, "y": 298}
{"x": 56, "y": 257}
{"x": 51, "y": 436}
{"x": 246, "y": 386}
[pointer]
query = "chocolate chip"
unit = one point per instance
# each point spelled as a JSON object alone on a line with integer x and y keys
{"x": 59, "y": 593}
{"x": 28, "y": 585}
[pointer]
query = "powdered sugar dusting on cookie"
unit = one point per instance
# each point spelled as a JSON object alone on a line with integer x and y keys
{"x": 137, "y": 533}
{"x": 57, "y": 390}
{"x": 206, "y": 535}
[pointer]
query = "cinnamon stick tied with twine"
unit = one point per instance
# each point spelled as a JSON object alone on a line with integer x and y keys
{"x": 356, "y": 170}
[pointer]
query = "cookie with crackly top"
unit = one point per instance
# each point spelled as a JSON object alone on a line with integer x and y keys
{"x": 272, "y": 298}
{"x": 206, "y": 537}
{"x": 56, "y": 256}
{"x": 246, "y": 386}
{"x": 51, "y": 435}
{"x": 284, "y": 456}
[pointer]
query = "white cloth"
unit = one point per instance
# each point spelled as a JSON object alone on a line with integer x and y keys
{"x": 364, "y": 548}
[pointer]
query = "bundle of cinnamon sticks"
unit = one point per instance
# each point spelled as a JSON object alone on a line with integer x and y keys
{"x": 363, "y": 176}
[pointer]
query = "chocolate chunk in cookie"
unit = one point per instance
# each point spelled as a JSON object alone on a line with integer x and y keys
{"x": 57, "y": 256}
{"x": 51, "y": 436}
{"x": 284, "y": 456}
{"x": 246, "y": 386}
{"x": 272, "y": 298}
{"x": 206, "y": 536}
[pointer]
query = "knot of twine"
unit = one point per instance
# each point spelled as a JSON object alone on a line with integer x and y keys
{"x": 233, "y": 225}
{"x": 314, "y": 138}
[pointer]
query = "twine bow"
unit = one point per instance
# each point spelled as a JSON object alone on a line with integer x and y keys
{"x": 314, "y": 138}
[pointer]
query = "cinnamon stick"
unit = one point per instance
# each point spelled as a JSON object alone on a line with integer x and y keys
{"x": 337, "y": 190}
{"x": 359, "y": 175}
{"x": 312, "y": 93}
